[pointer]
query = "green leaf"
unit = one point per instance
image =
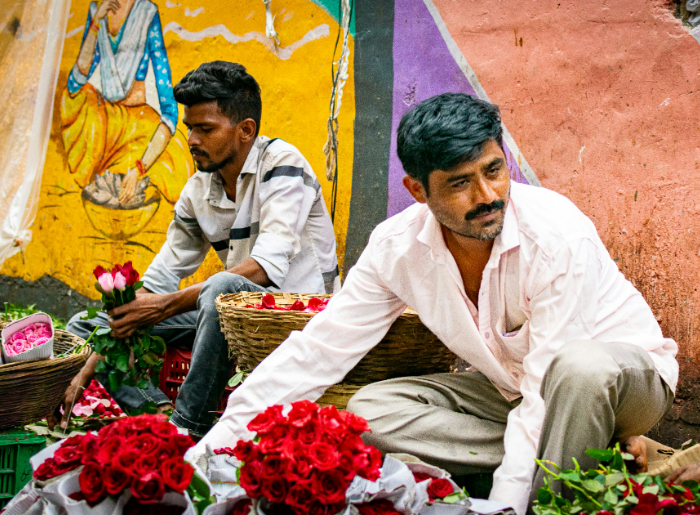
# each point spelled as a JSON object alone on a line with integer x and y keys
{"x": 100, "y": 367}
{"x": 474, "y": 453}
{"x": 91, "y": 313}
{"x": 122, "y": 363}
{"x": 114, "y": 379}
{"x": 652, "y": 489}
{"x": 632, "y": 499}
{"x": 614, "y": 479}
{"x": 236, "y": 379}
{"x": 199, "y": 486}
{"x": 626, "y": 456}
{"x": 138, "y": 284}
{"x": 592, "y": 485}
{"x": 157, "y": 344}
{"x": 570, "y": 475}
{"x": 601, "y": 454}
{"x": 454, "y": 497}
{"x": 544, "y": 496}
{"x": 102, "y": 331}
{"x": 611, "y": 497}
{"x": 150, "y": 358}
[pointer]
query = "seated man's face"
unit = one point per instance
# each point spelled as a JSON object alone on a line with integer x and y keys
{"x": 471, "y": 199}
{"x": 212, "y": 138}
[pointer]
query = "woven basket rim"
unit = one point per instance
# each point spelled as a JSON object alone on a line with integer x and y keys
{"x": 238, "y": 301}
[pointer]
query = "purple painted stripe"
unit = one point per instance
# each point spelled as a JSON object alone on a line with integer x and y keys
{"x": 423, "y": 67}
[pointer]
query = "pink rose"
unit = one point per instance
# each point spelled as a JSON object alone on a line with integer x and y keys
{"x": 32, "y": 338}
{"x": 119, "y": 281}
{"x": 19, "y": 335}
{"x": 106, "y": 283}
{"x": 30, "y": 329}
{"x": 41, "y": 341}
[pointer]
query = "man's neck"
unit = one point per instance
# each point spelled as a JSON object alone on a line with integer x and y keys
{"x": 471, "y": 256}
{"x": 231, "y": 170}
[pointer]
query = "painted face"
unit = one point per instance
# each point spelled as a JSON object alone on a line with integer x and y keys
{"x": 471, "y": 199}
{"x": 213, "y": 140}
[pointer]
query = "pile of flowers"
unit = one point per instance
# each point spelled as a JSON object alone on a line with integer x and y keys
{"x": 314, "y": 305}
{"x": 96, "y": 402}
{"x": 304, "y": 462}
{"x": 26, "y": 339}
{"x": 135, "y": 360}
{"x": 142, "y": 454}
{"x": 612, "y": 489}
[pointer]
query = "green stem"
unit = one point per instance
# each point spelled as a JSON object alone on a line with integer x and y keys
{"x": 567, "y": 483}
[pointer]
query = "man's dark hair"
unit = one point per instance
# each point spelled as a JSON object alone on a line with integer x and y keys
{"x": 445, "y": 131}
{"x": 236, "y": 92}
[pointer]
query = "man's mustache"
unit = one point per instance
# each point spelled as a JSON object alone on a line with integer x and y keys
{"x": 197, "y": 152}
{"x": 484, "y": 209}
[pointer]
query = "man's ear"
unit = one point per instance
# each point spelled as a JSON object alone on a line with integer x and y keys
{"x": 247, "y": 130}
{"x": 415, "y": 188}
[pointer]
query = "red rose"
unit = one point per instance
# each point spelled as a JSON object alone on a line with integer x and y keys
{"x": 264, "y": 422}
{"x": 250, "y": 478}
{"x": 109, "y": 448}
{"x": 127, "y": 458}
{"x": 324, "y": 456}
{"x": 301, "y": 466}
{"x": 371, "y": 470}
{"x": 46, "y": 470}
{"x": 145, "y": 464}
{"x": 117, "y": 479}
{"x": 163, "y": 430}
{"x": 73, "y": 441}
{"x": 300, "y": 496}
{"x": 92, "y": 483}
{"x": 332, "y": 422}
{"x": 242, "y": 507}
{"x": 318, "y": 508}
{"x": 180, "y": 443}
{"x": 330, "y": 486}
{"x": 355, "y": 424}
{"x": 274, "y": 440}
{"x": 145, "y": 444}
{"x": 149, "y": 488}
{"x": 245, "y": 450}
{"x": 302, "y": 413}
{"x": 378, "y": 507}
{"x": 275, "y": 489}
{"x": 439, "y": 488}
{"x": 176, "y": 474}
{"x": 66, "y": 456}
{"x": 88, "y": 447}
{"x": 274, "y": 465}
{"x": 309, "y": 434}
{"x": 98, "y": 271}
{"x": 131, "y": 275}
{"x": 422, "y": 476}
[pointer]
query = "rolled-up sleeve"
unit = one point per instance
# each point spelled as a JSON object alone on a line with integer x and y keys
{"x": 182, "y": 253}
{"x": 563, "y": 308}
{"x": 287, "y": 193}
{"x": 310, "y": 361}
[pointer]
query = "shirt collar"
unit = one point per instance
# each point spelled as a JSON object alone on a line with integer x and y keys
{"x": 251, "y": 162}
{"x": 215, "y": 194}
{"x": 431, "y": 235}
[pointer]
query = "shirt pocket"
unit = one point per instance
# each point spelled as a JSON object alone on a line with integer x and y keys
{"x": 517, "y": 342}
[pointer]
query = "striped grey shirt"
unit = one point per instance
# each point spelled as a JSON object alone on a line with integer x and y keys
{"x": 279, "y": 219}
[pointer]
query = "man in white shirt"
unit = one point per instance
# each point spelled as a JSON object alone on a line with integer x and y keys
{"x": 258, "y": 203}
{"x": 565, "y": 353}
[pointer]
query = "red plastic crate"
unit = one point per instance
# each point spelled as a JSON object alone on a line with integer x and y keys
{"x": 175, "y": 369}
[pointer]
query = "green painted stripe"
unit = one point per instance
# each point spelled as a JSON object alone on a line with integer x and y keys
{"x": 332, "y": 7}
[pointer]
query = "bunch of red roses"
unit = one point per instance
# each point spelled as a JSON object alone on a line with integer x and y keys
{"x": 303, "y": 463}
{"x": 268, "y": 302}
{"x": 143, "y": 454}
{"x": 133, "y": 360}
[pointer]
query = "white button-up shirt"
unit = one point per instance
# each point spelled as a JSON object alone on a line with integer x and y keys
{"x": 549, "y": 280}
{"x": 279, "y": 219}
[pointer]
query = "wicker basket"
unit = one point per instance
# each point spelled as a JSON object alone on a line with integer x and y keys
{"x": 408, "y": 349}
{"x": 31, "y": 390}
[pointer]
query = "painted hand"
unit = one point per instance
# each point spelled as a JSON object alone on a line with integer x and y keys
{"x": 129, "y": 186}
{"x": 690, "y": 471}
{"x": 147, "y": 309}
{"x": 105, "y": 8}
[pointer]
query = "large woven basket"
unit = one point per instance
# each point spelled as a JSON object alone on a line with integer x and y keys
{"x": 31, "y": 390}
{"x": 408, "y": 349}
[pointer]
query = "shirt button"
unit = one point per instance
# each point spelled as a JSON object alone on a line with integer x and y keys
{"x": 487, "y": 335}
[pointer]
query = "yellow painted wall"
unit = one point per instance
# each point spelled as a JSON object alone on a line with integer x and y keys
{"x": 296, "y": 84}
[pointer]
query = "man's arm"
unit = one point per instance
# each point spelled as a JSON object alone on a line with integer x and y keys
{"x": 308, "y": 362}
{"x": 562, "y": 309}
{"x": 151, "y": 308}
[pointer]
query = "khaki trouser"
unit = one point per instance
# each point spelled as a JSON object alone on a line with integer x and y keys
{"x": 594, "y": 392}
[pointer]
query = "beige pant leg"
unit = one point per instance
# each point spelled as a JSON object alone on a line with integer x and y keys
{"x": 594, "y": 392}
{"x": 453, "y": 421}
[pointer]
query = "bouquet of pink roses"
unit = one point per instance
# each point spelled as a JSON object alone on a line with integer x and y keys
{"x": 134, "y": 360}
{"x": 28, "y": 338}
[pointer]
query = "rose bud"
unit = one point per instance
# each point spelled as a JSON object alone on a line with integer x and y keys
{"x": 106, "y": 283}
{"x": 120, "y": 281}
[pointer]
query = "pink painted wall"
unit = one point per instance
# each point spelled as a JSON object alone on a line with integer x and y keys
{"x": 603, "y": 99}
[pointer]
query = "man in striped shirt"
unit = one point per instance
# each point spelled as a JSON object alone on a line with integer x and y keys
{"x": 258, "y": 203}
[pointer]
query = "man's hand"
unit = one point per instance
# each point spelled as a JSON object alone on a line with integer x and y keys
{"x": 635, "y": 446}
{"x": 147, "y": 309}
{"x": 129, "y": 186}
{"x": 105, "y": 8}
{"x": 690, "y": 471}
{"x": 73, "y": 393}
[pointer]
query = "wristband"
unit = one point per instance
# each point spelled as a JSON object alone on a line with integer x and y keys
{"x": 94, "y": 27}
{"x": 140, "y": 167}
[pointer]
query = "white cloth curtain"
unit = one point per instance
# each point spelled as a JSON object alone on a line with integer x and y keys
{"x": 31, "y": 42}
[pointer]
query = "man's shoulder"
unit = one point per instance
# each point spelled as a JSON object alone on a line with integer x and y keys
{"x": 402, "y": 228}
{"x": 548, "y": 218}
{"x": 276, "y": 149}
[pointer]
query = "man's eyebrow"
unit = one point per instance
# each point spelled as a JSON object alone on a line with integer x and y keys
{"x": 495, "y": 162}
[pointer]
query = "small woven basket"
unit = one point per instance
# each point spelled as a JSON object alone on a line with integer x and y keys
{"x": 31, "y": 390}
{"x": 408, "y": 349}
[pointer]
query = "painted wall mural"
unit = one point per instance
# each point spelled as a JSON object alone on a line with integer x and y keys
{"x": 118, "y": 158}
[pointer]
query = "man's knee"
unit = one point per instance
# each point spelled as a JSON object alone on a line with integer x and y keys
{"x": 582, "y": 364}
{"x": 223, "y": 282}
{"x": 365, "y": 402}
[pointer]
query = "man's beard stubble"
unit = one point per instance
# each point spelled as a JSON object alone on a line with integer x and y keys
{"x": 488, "y": 232}
{"x": 211, "y": 167}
